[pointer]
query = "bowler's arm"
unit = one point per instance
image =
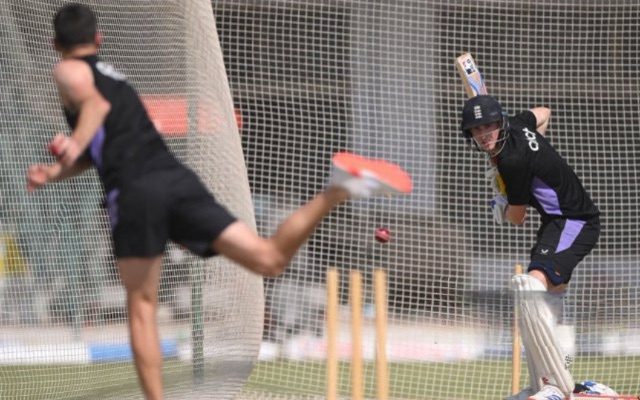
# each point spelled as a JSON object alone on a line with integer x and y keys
{"x": 39, "y": 175}
{"x": 77, "y": 89}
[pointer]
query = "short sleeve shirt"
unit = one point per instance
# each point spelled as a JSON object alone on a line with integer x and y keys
{"x": 534, "y": 173}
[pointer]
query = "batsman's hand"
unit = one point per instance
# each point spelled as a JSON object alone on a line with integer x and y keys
{"x": 496, "y": 181}
{"x": 499, "y": 206}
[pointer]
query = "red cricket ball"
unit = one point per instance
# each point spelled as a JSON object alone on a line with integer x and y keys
{"x": 383, "y": 235}
{"x": 53, "y": 149}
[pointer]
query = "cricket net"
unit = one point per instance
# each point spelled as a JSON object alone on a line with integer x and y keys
{"x": 310, "y": 77}
{"x": 63, "y": 331}
{"x": 377, "y": 77}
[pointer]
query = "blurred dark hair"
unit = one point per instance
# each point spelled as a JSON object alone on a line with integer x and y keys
{"x": 74, "y": 24}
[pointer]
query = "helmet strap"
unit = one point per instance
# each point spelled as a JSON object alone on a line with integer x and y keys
{"x": 502, "y": 137}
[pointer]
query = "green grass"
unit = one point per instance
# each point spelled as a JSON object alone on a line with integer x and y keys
{"x": 477, "y": 380}
{"x": 66, "y": 382}
{"x": 407, "y": 380}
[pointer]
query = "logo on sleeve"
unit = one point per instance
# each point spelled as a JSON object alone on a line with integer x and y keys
{"x": 110, "y": 71}
{"x": 531, "y": 139}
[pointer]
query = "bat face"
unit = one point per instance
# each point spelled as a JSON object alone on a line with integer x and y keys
{"x": 471, "y": 77}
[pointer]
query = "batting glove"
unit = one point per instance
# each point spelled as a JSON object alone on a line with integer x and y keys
{"x": 499, "y": 208}
{"x": 497, "y": 184}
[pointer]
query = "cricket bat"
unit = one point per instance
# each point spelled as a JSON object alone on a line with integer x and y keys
{"x": 470, "y": 74}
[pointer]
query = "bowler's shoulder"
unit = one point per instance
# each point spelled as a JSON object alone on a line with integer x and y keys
{"x": 72, "y": 70}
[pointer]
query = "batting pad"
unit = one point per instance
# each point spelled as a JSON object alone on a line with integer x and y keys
{"x": 537, "y": 328}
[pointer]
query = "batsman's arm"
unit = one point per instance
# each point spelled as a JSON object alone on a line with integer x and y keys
{"x": 542, "y": 114}
{"x": 516, "y": 214}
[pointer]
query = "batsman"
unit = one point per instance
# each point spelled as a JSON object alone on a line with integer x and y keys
{"x": 527, "y": 171}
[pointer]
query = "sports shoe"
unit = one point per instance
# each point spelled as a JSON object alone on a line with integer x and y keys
{"x": 548, "y": 392}
{"x": 364, "y": 177}
{"x": 524, "y": 394}
{"x": 593, "y": 387}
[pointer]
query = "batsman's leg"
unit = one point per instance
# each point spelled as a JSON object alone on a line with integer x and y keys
{"x": 537, "y": 326}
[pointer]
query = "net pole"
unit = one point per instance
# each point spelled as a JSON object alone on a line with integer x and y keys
{"x": 72, "y": 258}
{"x": 198, "y": 265}
{"x": 197, "y": 282}
{"x": 197, "y": 322}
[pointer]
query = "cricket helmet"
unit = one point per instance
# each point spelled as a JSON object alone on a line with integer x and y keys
{"x": 480, "y": 110}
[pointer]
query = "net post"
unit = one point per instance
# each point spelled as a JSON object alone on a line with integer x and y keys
{"x": 197, "y": 322}
{"x": 198, "y": 265}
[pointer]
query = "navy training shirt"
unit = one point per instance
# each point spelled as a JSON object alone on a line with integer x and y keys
{"x": 535, "y": 174}
{"x": 128, "y": 143}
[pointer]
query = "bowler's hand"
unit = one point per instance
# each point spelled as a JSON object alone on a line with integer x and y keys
{"x": 39, "y": 175}
{"x": 65, "y": 149}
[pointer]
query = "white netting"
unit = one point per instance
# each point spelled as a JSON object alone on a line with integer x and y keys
{"x": 378, "y": 77}
{"x": 309, "y": 78}
{"x": 62, "y": 317}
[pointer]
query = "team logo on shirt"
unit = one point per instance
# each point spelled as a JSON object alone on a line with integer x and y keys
{"x": 110, "y": 71}
{"x": 531, "y": 139}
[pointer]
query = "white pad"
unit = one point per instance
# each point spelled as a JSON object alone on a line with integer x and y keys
{"x": 545, "y": 357}
{"x": 565, "y": 333}
{"x": 534, "y": 379}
